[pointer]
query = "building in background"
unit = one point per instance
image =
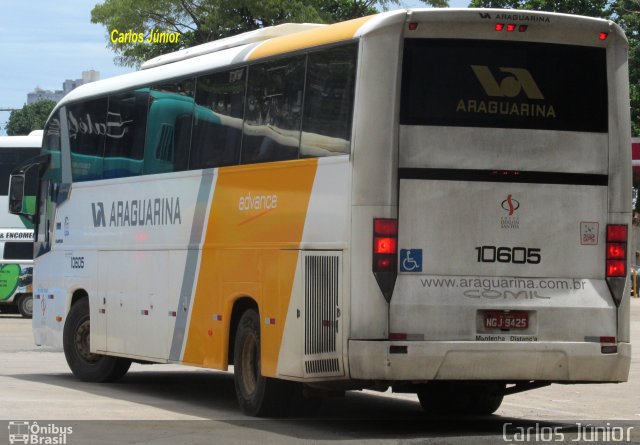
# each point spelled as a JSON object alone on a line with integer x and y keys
{"x": 68, "y": 85}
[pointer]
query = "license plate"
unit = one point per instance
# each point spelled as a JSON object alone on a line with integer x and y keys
{"x": 506, "y": 320}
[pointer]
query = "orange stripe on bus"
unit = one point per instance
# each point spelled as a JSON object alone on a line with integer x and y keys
{"x": 256, "y": 260}
{"x": 338, "y": 32}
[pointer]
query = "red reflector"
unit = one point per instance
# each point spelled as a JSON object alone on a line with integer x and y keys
{"x": 607, "y": 339}
{"x": 522, "y": 28}
{"x": 384, "y": 263}
{"x": 616, "y": 268}
{"x": 397, "y": 336}
{"x": 385, "y": 227}
{"x": 499, "y": 26}
{"x": 617, "y": 233}
{"x": 384, "y": 245}
{"x": 616, "y": 251}
{"x": 603, "y": 35}
{"x": 511, "y": 27}
{"x": 413, "y": 26}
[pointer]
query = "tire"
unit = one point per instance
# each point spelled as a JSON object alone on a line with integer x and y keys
{"x": 25, "y": 306}
{"x": 85, "y": 365}
{"x": 461, "y": 398}
{"x": 257, "y": 395}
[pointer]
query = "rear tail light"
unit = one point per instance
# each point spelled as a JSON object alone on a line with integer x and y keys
{"x": 603, "y": 35}
{"x": 616, "y": 268}
{"x": 511, "y": 27}
{"x": 385, "y": 244}
{"x": 616, "y": 251}
{"x": 617, "y": 235}
{"x": 385, "y": 254}
{"x": 616, "y": 260}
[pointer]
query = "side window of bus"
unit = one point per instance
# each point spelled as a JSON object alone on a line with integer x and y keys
{"x": 328, "y": 102}
{"x": 168, "y": 133}
{"x": 126, "y": 128}
{"x": 87, "y": 128}
{"x": 51, "y": 146}
{"x": 18, "y": 250}
{"x": 273, "y": 110}
{"x": 217, "y": 120}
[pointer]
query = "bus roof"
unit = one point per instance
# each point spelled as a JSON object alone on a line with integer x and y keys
{"x": 33, "y": 140}
{"x": 282, "y": 39}
{"x": 256, "y": 35}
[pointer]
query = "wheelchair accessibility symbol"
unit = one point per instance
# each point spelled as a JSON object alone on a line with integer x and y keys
{"x": 410, "y": 260}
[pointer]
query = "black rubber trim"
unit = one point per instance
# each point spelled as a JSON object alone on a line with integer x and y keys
{"x": 527, "y": 177}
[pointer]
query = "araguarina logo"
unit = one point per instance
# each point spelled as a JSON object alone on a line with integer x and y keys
{"x": 517, "y": 80}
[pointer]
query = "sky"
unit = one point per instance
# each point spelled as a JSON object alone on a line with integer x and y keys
{"x": 44, "y": 42}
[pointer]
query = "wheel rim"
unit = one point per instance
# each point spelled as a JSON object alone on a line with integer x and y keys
{"x": 249, "y": 362}
{"x": 28, "y": 305}
{"x": 82, "y": 341}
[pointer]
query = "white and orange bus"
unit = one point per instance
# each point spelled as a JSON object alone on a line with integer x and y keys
{"x": 435, "y": 201}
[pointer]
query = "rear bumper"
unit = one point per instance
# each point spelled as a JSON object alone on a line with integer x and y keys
{"x": 546, "y": 361}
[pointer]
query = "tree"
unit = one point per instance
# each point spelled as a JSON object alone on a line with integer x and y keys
{"x": 625, "y": 13}
{"x": 30, "y": 117}
{"x": 201, "y": 21}
{"x": 591, "y": 8}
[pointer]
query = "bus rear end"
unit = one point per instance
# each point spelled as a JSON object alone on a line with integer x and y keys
{"x": 514, "y": 201}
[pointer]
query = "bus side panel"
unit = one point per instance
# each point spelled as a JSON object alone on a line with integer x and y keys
{"x": 126, "y": 247}
{"x": 326, "y": 231}
{"x": 375, "y": 161}
{"x": 619, "y": 155}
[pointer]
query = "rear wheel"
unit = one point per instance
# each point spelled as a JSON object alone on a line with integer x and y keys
{"x": 25, "y": 306}
{"x": 84, "y": 364}
{"x": 257, "y": 395}
{"x": 461, "y": 398}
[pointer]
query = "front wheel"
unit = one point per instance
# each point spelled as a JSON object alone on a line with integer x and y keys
{"x": 257, "y": 395}
{"x": 25, "y": 306}
{"x": 461, "y": 398}
{"x": 84, "y": 364}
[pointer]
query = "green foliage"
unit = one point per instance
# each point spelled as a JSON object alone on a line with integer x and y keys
{"x": 592, "y": 8}
{"x": 635, "y": 109}
{"x": 201, "y": 21}
{"x": 30, "y": 117}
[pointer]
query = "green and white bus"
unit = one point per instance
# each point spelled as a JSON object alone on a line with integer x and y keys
{"x": 16, "y": 233}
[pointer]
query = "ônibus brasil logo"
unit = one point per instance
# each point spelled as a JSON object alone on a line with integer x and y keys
{"x": 34, "y": 433}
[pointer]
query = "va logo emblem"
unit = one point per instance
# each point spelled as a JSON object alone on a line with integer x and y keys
{"x": 516, "y": 81}
{"x": 98, "y": 214}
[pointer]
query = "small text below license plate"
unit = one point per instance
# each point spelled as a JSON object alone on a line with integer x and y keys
{"x": 506, "y": 320}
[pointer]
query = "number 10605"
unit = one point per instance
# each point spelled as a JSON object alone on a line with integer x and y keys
{"x": 515, "y": 255}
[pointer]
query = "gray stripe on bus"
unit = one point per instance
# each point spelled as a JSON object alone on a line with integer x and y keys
{"x": 242, "y": 55}
{"x": 188, "y": 280}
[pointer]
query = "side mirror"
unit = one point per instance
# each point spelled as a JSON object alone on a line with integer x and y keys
{"x": 16, "y": 194}
{"x": 23, "y": 186}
